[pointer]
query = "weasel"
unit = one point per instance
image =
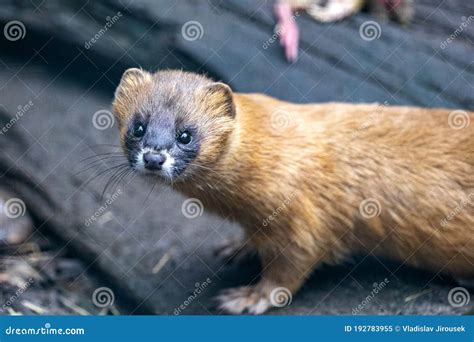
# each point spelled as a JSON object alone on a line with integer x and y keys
{"x": 310, "y": 184}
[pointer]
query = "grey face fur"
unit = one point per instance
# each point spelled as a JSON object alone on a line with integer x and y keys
{"x": 167, "y": 120}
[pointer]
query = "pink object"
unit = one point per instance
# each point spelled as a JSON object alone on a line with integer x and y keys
{"x": 287, "y": 30}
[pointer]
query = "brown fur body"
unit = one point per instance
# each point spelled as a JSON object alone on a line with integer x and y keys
{"x": 313, "y": 165}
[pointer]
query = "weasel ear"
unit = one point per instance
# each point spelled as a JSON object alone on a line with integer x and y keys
{"x": 220, "y": 99}
{"x": 132, "y": 79}
{"x": 131, "y": 85}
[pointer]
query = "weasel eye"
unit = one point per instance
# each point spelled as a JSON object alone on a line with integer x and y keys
{"x": 138, "y": 130}
{"x": 184, "y": 138}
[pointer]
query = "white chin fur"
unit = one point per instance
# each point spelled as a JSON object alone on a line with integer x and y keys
{"x": 167, "y": 168}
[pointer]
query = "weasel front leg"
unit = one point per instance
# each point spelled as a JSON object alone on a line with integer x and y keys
{"x": 283, "y": 274}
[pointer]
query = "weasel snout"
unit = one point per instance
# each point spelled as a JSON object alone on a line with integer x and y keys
{"x": 154, "y": 160}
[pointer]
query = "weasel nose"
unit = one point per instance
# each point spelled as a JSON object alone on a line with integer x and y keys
{"x": 154, "y": 161}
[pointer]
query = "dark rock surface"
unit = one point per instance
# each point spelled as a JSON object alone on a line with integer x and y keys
{"x": 153, "y": 255}
{"x": 40, "y": 278}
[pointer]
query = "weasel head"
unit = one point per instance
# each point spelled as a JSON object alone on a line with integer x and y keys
{"x": 173, "y": 124}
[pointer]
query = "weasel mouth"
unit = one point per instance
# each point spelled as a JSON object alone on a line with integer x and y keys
{"x": 152, "y": 161}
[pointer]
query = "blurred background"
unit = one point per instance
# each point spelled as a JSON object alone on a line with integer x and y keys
{"x": 68, "y": 248}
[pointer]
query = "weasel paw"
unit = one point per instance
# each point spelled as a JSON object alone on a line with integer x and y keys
{"x": 247, "y": 299}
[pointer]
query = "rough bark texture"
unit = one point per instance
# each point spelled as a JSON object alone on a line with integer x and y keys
{"x": 154, "y": 256}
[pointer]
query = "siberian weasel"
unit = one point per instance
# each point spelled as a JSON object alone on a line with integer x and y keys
{"x": 312, "y": 183}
